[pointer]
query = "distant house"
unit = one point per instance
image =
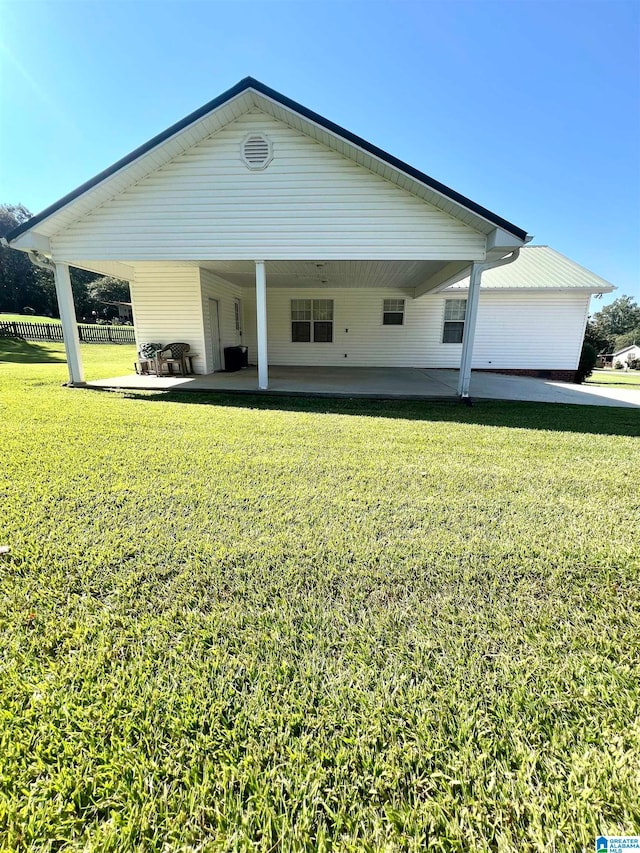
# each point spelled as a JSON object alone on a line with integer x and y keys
{"x": 624, "y": 355}
{"x": 257, "y": 221}
{"x": 125, "y": 310}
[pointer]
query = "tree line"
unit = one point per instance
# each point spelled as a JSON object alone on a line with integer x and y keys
{"x": 26, "y": 286}
{"x": 615, "y": 326}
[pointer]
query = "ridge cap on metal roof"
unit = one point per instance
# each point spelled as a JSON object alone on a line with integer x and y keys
{"x": 244, "y": 85}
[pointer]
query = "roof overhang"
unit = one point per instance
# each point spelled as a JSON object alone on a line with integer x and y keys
{"x": 246, "y": 95}
{"x": 537, "y": 269}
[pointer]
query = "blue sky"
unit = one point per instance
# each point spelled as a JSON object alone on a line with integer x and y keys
{"x": 530, "y": 108}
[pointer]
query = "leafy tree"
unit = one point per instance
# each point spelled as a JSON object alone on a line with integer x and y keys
{"x": 596, "y": 338}
{"x": 24, "y": 285}
{"x": 109, "y": 289}
{"x": 81, "y": 281}
{"x": 587, "y": 362}
{"x": 626, "y": 340}
{"x": 614, "y": 320}
{"x": 21, "y": 283}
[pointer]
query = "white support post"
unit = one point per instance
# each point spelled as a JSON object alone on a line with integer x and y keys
{"x": 469, "y": 333}
{"x": 261, "y": 316}
{"x": 69, "y": 324}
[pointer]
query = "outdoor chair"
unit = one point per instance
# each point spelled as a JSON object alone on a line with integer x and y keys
{"x": 175, "y": 355}
{"x": 147, "y": 362}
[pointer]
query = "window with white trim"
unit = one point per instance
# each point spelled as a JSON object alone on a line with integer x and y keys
{"x": 393, "y": 312}
{"x": 455, "y": 312}
{"x": 312, "y": 320}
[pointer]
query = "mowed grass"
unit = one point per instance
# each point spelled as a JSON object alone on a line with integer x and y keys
{"x": 615, "y": 377}
{"x": 32, "y": 318}
{"x": 26, "y": 318}
{"x": 251, "y": 624}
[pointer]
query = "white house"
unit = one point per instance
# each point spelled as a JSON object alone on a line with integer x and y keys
{"x": 625, "y": 354}
{"x": 256, "y": 221}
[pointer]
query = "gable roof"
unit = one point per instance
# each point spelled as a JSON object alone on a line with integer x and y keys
{"x": 226, "y": 107}
{"x": 626, "y": 349}
{"x": 540, "y": 268}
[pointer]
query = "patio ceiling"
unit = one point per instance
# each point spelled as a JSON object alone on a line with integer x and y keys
{"x": 314, "y": 274}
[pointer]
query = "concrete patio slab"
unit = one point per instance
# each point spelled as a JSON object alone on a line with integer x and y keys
{"x": 382, "y": 383}
{"x": 372, "y": 382}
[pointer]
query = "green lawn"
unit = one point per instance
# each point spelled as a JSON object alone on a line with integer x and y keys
{"x": 26, "y": 318}
{"x": 615, "y": 377}
{"x": 249, "y": 624}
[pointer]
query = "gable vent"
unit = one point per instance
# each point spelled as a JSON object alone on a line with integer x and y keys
{"x": 256, "y": 152}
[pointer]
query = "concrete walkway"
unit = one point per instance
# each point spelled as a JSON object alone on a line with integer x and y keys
{"x": 496, "y": 386}
{"x": 382, "y": 383}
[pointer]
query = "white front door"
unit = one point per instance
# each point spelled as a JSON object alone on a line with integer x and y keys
{"x": 214, "y": 319}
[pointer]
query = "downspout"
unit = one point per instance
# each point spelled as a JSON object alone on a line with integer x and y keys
{"x": 470, "y": 325}
{"x": 36, "y": 258}
{"x": 39, "y": 260}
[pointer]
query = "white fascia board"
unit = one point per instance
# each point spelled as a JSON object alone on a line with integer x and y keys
{"x": 32, "y": 241}
{"x": 499, "y": 239}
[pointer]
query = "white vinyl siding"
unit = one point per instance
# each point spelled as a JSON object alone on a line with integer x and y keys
{"x": 167, "y": 307}
{"x": 530, "y": 330}
{"x": 523, "y": 330}
{"x": 514, "y": 330}
{"x": 309, "y": 202}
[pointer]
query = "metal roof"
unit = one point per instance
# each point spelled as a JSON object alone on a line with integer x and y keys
{"x": 220, "y": 111}
{"x": 540, "y": 268}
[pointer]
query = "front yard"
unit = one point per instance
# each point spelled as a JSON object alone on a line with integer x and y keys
{"x": 259, "y": 624}
{"x": 615, "y": 377}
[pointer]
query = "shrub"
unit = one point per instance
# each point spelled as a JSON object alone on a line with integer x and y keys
{"x": 587, "y": 362}
{"x": 618, "y": 365}
{"x": 633, "y": 363}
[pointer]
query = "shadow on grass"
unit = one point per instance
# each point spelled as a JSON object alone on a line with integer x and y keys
{"x": 26, "y": 352}
{"x": 596, "y": 420}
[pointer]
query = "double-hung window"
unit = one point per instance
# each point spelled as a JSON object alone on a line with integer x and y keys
{"x": 393, "y": 312}
{"x": 312, "y": 320}
{"x": 455, "y": 312}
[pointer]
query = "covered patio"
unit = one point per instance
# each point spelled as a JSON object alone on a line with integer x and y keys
{"x": 381, "y": 383}
{"x": 366, "y": 382}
